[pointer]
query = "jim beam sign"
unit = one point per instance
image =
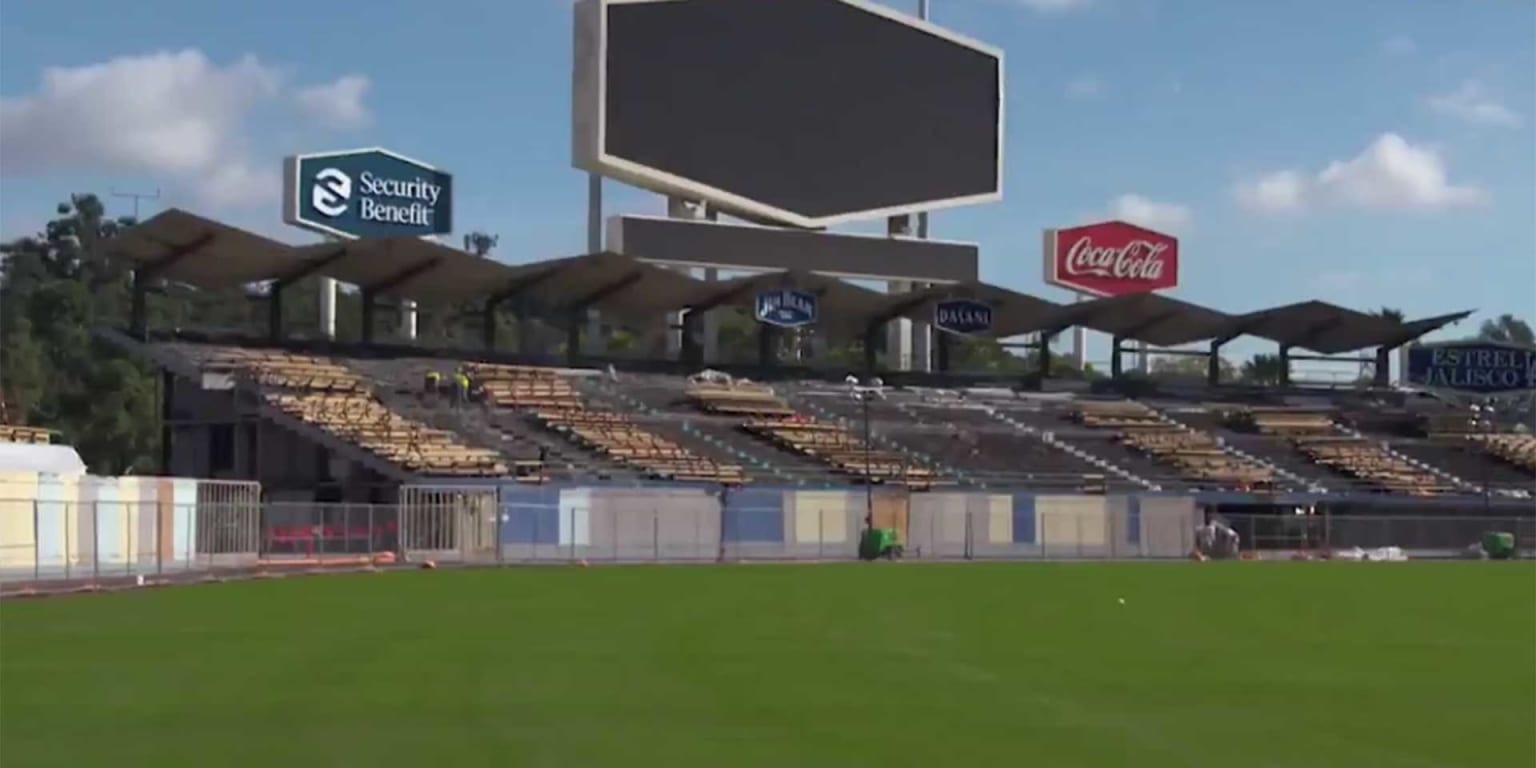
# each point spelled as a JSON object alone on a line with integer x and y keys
{"x": 786, "y": 308}
{"x": 1111, "y": 258}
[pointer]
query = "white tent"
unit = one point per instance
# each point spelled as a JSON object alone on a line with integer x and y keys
{"x": 32, "y": 457}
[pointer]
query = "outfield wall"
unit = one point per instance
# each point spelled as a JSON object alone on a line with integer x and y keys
{"x": 515, "y": 522}
{"x": 80, "y": 527}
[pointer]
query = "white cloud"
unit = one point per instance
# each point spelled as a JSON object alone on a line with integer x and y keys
{"x": 173, "y": 116}
{"x": 1278, "y": 191}
{"x": 1472, "y": 102}
{"x": 1400, "y": 45}
{"x": 1085, "y": 86}
{"x": 1139, "y": 209}
{"x": 1391, "y": 173}
{"x": 339, "y": 104}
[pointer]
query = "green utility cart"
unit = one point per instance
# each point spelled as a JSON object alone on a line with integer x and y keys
{"x": 880, "y": 542}
{"x": 1500, "y": 545}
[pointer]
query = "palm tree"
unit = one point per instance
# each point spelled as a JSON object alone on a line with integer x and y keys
{"x": 1264, "y": 369}
{"x": 1507, "y": 329}
{"x": 1368, "y": 367}
{"x": 480, "y": 243}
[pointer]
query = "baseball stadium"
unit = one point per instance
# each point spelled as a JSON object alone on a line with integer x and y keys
{"x": 734, "y": 487}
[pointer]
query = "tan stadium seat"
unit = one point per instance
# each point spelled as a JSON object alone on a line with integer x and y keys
{"x": 1516, "y": 449}
{"x": 334, "y": 398}
{"x": 13, "y": 433}
{"x": 1195, "y": 455}
{"x": 771, "y": 419}
{"x": 617, "y": 436}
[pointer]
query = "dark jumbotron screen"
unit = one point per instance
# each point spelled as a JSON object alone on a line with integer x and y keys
{"x": 815, "y": 107}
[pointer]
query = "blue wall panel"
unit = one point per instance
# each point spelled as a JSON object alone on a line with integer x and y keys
{"x": 1133, "y": 521}
{"x": 1023, "y": 518}
{"x": 754, "y": 514}
{"x": 530, "y": 515}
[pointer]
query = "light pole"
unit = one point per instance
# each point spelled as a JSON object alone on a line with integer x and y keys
{"x": 1482, "y": 422}
{"x": 864, "y": 392}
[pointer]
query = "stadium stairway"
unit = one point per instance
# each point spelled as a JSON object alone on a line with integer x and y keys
{"x": 1053, "y": 422}
{"x": 1280, "y": 454}
{"x": 1092, "y": 462}
{"x": 1388, "y": 449}
{"x": 970, "y": 441}
{"x": 660, "y": 404}
{"x": 879, "y": 429}
{"x": 190, "y": 362}
{"x": 1275, "y": 452}
{"x": 512, "y": 434}
{"x": 1200, "y": 418}
{"x": 1467, "y": 462}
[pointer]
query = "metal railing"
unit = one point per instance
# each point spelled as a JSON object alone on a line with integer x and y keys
{"x": 1427, "y": 535}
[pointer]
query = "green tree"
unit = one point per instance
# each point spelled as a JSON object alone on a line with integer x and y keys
{"x": 57, "y": 286}
{"x": 1263, "y": 369}
{"x": 481, "y": 243}
{"x": 1190, "y": 368}
{"x": 974, "y": 354}
{"x": 1508, "y": 329}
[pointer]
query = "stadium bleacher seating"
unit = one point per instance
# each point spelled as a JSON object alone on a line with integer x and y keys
{"x": 1196, "y": 455}
{"x": 18, "y": 433}
{"x": 551, "y": 400}
{"x": 767, "y": 416}
{"x": 587, "y": 424}
{"x": 1313, "y": 433}
{"x": 328, "y": 395}
{"x": 12, "y": 433}
{"x": 960, "y": 433}
{"x": 1518, "y": 450}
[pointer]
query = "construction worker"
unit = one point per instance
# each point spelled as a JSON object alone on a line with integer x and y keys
{"x": 460, "y": 387}
{"x": 432, "y": 383}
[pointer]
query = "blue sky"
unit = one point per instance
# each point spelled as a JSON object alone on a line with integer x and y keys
{"x": 1374, "y": 152}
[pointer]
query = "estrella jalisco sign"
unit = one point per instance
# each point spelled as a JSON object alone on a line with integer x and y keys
{"x": 786, "y": 308}
{"x": 1473, "y": 367}
{"x": 962, "y": 316}
{"x": 366, "y": 193}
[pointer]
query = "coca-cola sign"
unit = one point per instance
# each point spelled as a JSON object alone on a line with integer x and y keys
{"x": 1111, "y": 258}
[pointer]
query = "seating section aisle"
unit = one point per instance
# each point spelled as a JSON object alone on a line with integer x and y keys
{"x": 1313, "y": 433}
{"x": 550, "y": 399}
{"x": 961, "y": 435}
{"x": 1197, "y": 456}
{"x": 1517, "y": 449}
{"x": 771, "y": 419}
{"x": 330, "y": 396}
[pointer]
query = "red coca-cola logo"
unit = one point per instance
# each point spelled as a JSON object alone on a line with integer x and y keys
{"x": 1111, "y": 259}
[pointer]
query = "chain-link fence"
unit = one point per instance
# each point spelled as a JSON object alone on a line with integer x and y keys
{"x": 43, "y": 540}
{"x": 1422, "y": 535}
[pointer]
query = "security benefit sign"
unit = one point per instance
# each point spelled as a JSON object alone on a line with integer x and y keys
{"x": 1473, "y": 367}
{"x": 366, "y": 193}
{"x": 962, "y": 316}
{"x": 786, "y": 308}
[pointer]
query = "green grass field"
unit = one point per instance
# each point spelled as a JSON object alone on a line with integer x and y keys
{"x": 1229, "y": 664}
